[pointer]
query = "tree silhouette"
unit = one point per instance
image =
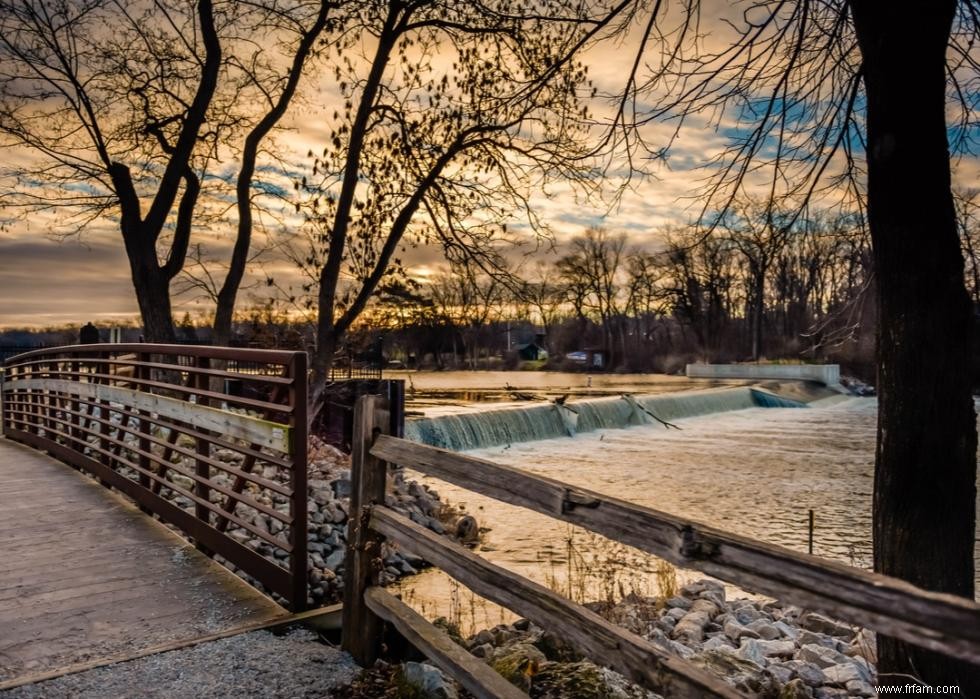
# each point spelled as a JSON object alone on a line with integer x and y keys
{"x": 117, "y": 104}
{"x": 455, "y": 116}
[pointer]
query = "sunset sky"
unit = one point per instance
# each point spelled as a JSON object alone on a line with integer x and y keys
{"x": 47, "y": 279}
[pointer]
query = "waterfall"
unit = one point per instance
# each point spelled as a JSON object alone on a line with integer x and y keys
{"x": 489, "y": 428}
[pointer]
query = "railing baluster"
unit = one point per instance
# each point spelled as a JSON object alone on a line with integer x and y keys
{"x": 143, "y": 372}
{"x": 299, "y": 425}
{"x": 201, "y": 467}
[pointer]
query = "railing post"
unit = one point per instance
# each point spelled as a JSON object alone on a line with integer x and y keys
{"x": 203, "y": 448}
{"x": 299, "y": 423}
{"x": 361, "y": 627}
{"x": 3, "y": 400}
{"x": 141, "y": 372}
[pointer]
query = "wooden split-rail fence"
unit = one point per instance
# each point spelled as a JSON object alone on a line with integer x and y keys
{"x": 160, "y": 422}
{"x": 941, "y": 622}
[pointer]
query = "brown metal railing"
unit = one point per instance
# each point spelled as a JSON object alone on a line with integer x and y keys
{"x": 219, "y": 453}
{"x": 941, "y": 622}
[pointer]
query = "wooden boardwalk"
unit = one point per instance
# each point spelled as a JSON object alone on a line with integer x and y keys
{"x": 86, "y": 576}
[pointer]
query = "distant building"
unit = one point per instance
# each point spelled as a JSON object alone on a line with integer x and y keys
{"x": 591, "y": 358}
{"x": 532, "y": 352}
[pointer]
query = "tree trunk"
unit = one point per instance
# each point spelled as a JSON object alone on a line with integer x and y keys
{"x": 153, "y": 296}
{"x": 925, "y": 467}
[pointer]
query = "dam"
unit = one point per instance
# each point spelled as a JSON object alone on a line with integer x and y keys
{"x": 465, "y": 431}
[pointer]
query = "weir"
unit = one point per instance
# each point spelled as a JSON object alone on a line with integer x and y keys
{"x": 490, "y": 428}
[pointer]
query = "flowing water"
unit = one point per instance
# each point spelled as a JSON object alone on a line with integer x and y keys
{"x": 738, "y": 466}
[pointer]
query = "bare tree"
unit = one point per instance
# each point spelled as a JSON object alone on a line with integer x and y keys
{"x": 759, "y": 234}
{"x": 455, "y": 116}
{"x": 87, "y": 99}
{"x": 594, "y": 269}
{"x": 117, "y": 103}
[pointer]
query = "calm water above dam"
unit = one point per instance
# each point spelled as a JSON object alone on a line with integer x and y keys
{"x": 754, "y": 471}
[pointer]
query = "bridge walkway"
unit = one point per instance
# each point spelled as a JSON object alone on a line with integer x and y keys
{"x": 86, "y": 576}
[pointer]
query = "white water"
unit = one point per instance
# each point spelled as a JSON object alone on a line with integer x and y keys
{"x": 754, "y": 472}
{"x": 469, "y": 430}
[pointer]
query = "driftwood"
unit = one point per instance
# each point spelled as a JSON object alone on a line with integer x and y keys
{"x": 632, "y": 401}
{"x": 520, "y": 395}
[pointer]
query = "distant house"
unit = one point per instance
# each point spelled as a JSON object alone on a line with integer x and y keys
{"x": 532, "y": 352}
{"x": 590, "y": 358}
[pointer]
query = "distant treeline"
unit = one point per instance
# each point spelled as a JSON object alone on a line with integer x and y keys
{"x": 758, "y": 284}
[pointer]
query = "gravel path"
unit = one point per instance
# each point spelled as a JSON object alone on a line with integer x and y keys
{"x": 257, "y": 664}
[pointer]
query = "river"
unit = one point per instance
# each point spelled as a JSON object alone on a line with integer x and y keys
{"x": 755, "y": 472}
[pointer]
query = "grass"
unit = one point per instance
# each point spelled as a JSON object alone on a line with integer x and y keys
{"x": 595, "y": 569}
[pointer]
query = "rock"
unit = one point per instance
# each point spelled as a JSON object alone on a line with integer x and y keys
{"x": 807, "y": 638}
{"x": 522, "y": 624}
{"x": 679, "y": 602}
{"x": 690, "y": 628}
{"x": 860, "y": 687}
{"x": 429, "y": 681}
{"x": 795, "y": 689}
{"x": 680, "y": 650}
{"x": 751, "y": 650}
{"x": 746, "y": 615}
{"x": 435, "y": 525}
{"x": 736, "y": 631}
{"x": 677, "y": 613}
{"x": 808, "y": 672}
{"x": 694, "y": 589}
{"x": 790, "y": 632}
{"x": 718, "y": 642}
{"x": 334, "y": 512}
{"x": 727, "y": 664}
{"x": 484, "y": 637}
{"x": 341, "y": 487}
{"x": 846, "y": 672}
{"x": 758, "y": 650}
{"x": 666, "y": 624}
{"x": 467, "y": 530}
{"x": 780, "y": 674}
{"x": 821, "y": 656}
{"x": 517, "y": 662}
{"x": 764, "y": 629}
{"x": 484, "y": 650}
{"x": 821, "y": 624}
{"x": 555, "y": 648}
{"x": 335, "y": 560}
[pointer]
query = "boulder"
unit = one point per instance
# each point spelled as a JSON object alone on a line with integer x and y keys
{"x": 821, "y": 624}
{"x": 429, "y": 681}
{"x": 820, "y": 656}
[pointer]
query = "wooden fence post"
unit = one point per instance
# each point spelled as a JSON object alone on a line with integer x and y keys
{"x": 361, "y": 627}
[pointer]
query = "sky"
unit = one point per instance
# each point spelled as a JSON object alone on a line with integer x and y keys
{"x": 50, "y": 279}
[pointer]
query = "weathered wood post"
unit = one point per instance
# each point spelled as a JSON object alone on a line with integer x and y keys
{"x": 361, "y": 636}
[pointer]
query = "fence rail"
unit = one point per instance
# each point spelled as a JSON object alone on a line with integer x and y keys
{"x": 161, "y": 424}
{"x": 941, "y": 622}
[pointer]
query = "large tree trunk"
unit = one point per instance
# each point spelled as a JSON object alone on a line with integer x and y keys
{"x": 153, "y": 295}
{"x": 925, "y": 469}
